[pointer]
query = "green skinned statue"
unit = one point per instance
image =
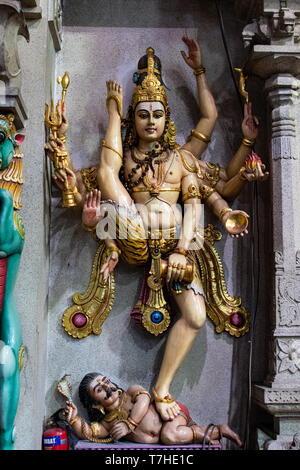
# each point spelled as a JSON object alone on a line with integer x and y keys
{"x": 11, "y": 246}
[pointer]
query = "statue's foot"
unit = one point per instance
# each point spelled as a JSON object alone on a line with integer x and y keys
{"x": 236, "y": 223}
{"x": 212, "y": 434}
{"x": 114, "y": 97}
{"x": 166, "y": 406}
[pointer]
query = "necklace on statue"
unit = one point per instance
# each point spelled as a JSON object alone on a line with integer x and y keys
{"x": 119, "y": 413}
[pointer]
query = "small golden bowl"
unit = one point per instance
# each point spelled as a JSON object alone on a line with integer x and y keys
{"x": 236, "y": 223}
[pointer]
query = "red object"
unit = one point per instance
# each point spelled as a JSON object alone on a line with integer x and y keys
{"x": 55, "y": 439}
{"x": 79, "y": 320}
{"x": 236, "y": 319}
{"x": 251, "y": 161}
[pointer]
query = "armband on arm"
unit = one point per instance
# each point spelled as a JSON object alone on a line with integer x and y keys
{"x": 140, "y": 392}
{"x": 192, "y": 192}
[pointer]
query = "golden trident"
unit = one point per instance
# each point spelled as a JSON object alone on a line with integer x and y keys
{"x": 53, "y": 121}
{"x": 242, "y": 84}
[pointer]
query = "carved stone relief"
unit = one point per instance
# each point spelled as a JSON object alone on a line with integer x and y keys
{"x": 288, "y": 355}
{"x": 288, "y": 300}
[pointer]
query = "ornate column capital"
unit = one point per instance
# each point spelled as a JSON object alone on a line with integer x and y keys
{"x": 273, "y": 39}
{"x": 12, "y": 25}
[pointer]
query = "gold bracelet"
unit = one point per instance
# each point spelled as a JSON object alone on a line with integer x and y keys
{"x": 200, "y": 136}
{"x": 74, "y": 420}
{"x": 63, "y": 138}
{"x": 241, "y": 175}
{"x": 180, "y": 251}
{"x": 118, "y": 101}
{"x": 199, "y": 70}
{"x": 104, "y": 144}
{"x": 131, "y": 421}
{"x": 140, "y": 392}
{"x": 248, "y": 142}
{"x": 87, "y": 228}
{"x": 111, "y": 249}
{"x": 95, "y": 428}
{"x": 224, "y": 211}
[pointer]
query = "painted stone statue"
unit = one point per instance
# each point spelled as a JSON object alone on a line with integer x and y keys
{"x": 142, "y": 183}
{"x": 117, "y": 414}
{"x": 11, "y": 246}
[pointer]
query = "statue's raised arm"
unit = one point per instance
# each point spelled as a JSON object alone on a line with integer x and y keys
{"x": 200, "y": 136}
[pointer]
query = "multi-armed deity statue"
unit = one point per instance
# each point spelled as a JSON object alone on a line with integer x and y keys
{"x": 11, "y": 246}
{"x": 148, "y": 191}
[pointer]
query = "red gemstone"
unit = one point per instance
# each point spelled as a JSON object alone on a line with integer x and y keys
{"x": 236, "y": 319}
{"x": 79, "y": 320}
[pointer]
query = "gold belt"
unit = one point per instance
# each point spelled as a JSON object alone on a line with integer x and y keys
{"x": 141, "y": 189}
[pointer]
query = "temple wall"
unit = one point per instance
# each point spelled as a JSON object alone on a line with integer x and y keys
{"x": 31, "y": 292}
{"x": 102, "y": 41}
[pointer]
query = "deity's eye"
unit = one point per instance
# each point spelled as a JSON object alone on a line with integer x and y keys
{"x": 143, "y": 115}
{"x": 158, "y": 115}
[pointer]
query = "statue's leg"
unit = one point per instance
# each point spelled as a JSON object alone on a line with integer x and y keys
{"x": 178, "y": 432}
{"x": 10, "y": 345}
{"x": 179, "y": 342}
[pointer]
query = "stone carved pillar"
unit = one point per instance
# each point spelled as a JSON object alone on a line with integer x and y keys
{"x": 12, "y": 24}
{"x": 273, "y": 41}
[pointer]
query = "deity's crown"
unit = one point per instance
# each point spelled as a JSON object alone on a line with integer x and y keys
{"x": 150, "y": 88}
{"x": 6, "y": 123}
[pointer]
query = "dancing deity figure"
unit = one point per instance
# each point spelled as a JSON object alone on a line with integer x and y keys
{"x": 142, "y": 177}
{"x": 11, "y": 246}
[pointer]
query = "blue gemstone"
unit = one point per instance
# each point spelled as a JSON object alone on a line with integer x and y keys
{"x": 156, "y": 316}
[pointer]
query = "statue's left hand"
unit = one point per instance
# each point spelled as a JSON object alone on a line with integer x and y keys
{"x": 109, "y": 265}
{"x": 250, "y": 123}
{"x": 119, "y": 430}
{"x": 193, "y": 60}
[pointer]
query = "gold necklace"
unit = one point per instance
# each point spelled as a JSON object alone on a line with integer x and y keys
{"x": 119, "y": 413}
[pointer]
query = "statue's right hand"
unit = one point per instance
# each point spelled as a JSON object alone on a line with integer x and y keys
{"x": 91, "y": 208}
{"x": 62, "y": 130}
{"x": 53, "y": 144}
{"x": 70, "y": 411}
{"x": 61, "y": 176}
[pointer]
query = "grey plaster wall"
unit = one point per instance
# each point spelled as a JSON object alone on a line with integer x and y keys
{"x": 37, "y": 64}
{"x": 104, "y": 40}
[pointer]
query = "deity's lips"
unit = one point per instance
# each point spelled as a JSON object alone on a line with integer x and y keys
{"x": 151, "y": 130}
{"x": 251, "y": 162}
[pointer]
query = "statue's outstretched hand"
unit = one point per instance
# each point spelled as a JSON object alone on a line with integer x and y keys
{"x": 259, "y": 174}
{"x": 91, "y": 208}
{"x": 109, "y": 265}
{"x": 193, "y": 60}
{"x": 250, "y": 123}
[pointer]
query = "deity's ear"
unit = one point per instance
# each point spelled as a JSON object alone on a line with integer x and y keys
{"x": 19, "y": 138}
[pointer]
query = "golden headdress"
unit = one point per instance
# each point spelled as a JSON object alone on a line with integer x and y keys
{"x": 151, "y": 88}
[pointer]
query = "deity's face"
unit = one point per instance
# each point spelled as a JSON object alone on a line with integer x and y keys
{"x": 150, "y": 120}
{"x": 103, "y": 391}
